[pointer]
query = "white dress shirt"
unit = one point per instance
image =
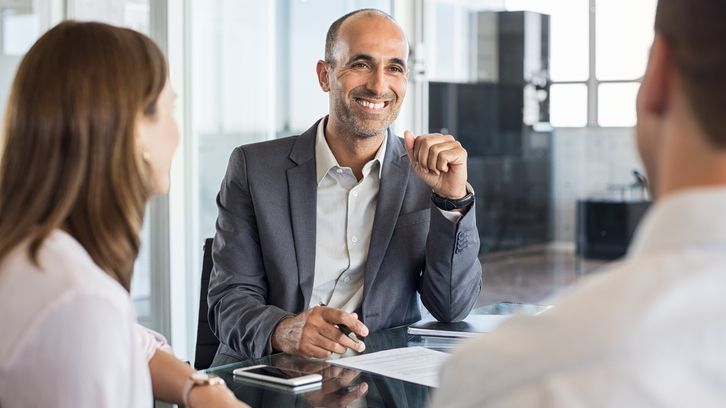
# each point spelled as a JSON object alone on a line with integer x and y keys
{"x": 649, "y": 332}
{"x": 68, "y": 332}
{"x": 346, "y": 208}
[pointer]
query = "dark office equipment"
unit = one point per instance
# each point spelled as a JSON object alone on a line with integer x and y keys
{"x": 494, "y": 119}
{"x": 207, "y": 342}
{"x": 605, "y": 228}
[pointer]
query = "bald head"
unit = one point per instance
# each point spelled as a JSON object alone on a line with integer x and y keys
{"x": 331, "y": 39}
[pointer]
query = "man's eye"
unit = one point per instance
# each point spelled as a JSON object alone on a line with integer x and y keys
{"x": 359, "y": 65}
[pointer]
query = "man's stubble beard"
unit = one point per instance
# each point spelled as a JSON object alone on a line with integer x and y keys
{"x": 350, "y": 120}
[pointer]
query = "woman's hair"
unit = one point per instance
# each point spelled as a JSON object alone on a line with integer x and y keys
{"x": 69, "y": 154}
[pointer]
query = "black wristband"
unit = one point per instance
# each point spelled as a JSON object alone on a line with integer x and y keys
{"x": 448, "y": 204}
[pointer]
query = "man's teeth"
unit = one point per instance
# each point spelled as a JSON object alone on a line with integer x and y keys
{"x": 371, "y": 105}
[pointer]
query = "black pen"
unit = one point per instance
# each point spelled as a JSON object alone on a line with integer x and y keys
{"x": 346, "y": 330}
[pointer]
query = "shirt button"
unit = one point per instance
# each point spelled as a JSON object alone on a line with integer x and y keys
{"x": 339, "y": 171}
{"x": 354, "y": 240}
{"x": 355, "y": 194}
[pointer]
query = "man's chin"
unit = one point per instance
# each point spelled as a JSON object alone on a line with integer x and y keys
{"x": 367, "y": 133}
{"x": 365, "y": 129}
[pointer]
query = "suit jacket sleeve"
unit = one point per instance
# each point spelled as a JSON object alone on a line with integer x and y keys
{"x": 238, "y": 311}
{"x": 452, "y": 277}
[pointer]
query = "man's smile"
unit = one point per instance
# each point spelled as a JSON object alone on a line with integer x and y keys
{"x": 371, "y": 105}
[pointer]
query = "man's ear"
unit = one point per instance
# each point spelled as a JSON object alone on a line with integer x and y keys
{"x": 323, "y": 72}
{"x": 657, "y": 82}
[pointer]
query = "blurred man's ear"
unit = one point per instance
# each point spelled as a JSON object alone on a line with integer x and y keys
{"x": 322, "y": 69}
{"x": 656, "y": 84}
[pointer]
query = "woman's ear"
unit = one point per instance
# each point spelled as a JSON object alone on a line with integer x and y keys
{"x": 141, "y": 134}
{"x": 322, "y": 70}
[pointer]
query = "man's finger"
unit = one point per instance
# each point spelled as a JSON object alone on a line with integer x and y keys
{"x": 440, "y": 154}
{"x": 322, "y": 341}
{"x": 454, "y": 156}
{"x": 334, "y": 334}
{"x": 408, "y": 141}
{"x": 337, "y": 316}
{"x": 352, "y": 322}
{"x": 308, "y": 349}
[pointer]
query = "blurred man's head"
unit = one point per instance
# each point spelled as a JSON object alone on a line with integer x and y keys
{"x": 365, "y": 70}
{"x": 681, "y": 122}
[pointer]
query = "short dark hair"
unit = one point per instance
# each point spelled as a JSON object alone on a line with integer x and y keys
{"x": 696, "y": 33}
{"x": 332, "y": 35}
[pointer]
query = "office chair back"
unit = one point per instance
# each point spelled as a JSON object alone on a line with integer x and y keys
{"x": 207, "y": 342}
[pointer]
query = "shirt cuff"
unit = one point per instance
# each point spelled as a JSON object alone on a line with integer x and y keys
{"x": 452, "y": 216}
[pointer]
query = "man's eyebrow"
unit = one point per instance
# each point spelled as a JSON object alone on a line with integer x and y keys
{"x": 369, "y": 58}
{"x": 398, "y": 61}
{"x": 358, "y": 57}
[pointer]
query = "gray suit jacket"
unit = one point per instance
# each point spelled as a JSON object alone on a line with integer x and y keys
{"x": 264, "y": 248}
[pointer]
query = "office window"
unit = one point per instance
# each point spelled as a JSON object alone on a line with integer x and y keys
{"x": 569, "y": 28}
{"x": 133, "y": 14}
{"x": 624, "y": 31}
{"x": 568, "y": 105}
{"x": 577, "y": 70}
{"x": 620, "y": 37}
{"x": 622, "y": 43}
{"x": 616, "y": 104}
{"x": 20, "y": 30}
{"x": 449, "y": 43}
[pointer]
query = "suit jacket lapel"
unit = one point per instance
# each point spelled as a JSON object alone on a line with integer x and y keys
{"x": 392, "y": 189}
{"x": 303, "y": 201}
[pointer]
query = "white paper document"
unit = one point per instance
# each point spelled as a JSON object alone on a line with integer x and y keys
{"x": 414, "y": 364}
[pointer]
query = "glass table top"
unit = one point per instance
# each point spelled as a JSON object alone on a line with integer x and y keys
{"x": 343, "y": 387}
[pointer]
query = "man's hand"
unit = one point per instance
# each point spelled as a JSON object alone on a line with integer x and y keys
{"x": 313, "y": 333}
{"x": 440, "y": 161}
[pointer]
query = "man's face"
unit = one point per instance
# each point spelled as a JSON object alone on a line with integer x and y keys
{"x": 367, "y": 80}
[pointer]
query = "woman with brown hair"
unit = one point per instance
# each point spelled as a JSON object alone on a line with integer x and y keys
{"x": 88, "y": 139}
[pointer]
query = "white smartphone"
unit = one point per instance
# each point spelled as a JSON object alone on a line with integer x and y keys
{"x": 276, "y": 375}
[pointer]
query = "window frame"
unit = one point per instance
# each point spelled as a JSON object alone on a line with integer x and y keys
{"x": 593, "y": 83}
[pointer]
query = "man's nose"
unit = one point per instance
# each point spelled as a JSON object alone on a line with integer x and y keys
{"x": 377, "y": 81}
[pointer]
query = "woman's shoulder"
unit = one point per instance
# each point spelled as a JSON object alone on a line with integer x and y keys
{"x": 64, "y": 274}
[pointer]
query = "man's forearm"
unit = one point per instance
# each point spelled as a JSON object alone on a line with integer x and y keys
{"x": 452, "y": 276}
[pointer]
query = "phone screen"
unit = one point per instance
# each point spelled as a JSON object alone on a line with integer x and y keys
{"x": 275, "y": 372}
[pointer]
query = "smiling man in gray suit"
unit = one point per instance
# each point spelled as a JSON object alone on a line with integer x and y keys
{"x": 346, "y": 223}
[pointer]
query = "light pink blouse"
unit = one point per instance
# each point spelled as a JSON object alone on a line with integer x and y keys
{"x": 68, "y": 333}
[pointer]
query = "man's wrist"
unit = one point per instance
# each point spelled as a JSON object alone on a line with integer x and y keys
{"x": 447, "y": 203}
{"x": 277, "y": 334}
{"x": 454, "y": 195}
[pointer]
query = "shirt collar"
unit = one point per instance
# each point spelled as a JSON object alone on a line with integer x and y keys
{"x": 325, "y": 160}
{"x": 683, "y": 219}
